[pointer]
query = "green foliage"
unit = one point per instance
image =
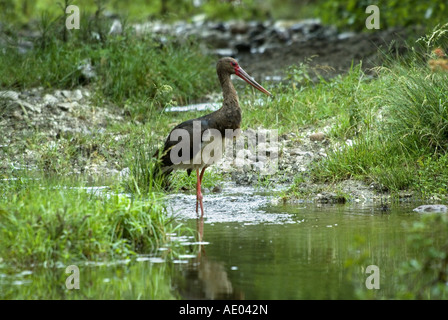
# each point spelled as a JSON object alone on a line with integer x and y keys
{"x": 244, "y": 10}
{"x": 432, "y": 176}
{"x": 398, "y": 125}
{"x": 143, "y": 167}
{"x": 351, "y": 14}
{"x": 127, "y": 67}
{"x": 426, "y": 277}
{"x": 418, "y": 109}
{"x": 43, "y": 221}
{"x": 20, "y": 11}
{"x": 300, "y": 74}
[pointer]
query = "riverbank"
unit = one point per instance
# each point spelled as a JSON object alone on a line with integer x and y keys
{"x": 93, "y": 115}
{"x": 324, "y": 107}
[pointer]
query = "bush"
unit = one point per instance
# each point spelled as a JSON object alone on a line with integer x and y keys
{"x": 351, "y": 14}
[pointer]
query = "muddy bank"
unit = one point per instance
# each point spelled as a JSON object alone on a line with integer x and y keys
{"x": 37, "y": 124}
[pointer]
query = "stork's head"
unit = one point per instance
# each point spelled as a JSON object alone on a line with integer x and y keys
{"x": 230, "y": 66}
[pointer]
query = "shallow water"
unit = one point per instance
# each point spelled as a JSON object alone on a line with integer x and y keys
{"x": 245, "y": 247}
{"x": 256, "y": 250}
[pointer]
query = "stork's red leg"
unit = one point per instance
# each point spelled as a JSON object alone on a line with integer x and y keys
{"x": 199, "y": 192}
{"x": 202, "y": 174}
{"x": 197, "y": 188}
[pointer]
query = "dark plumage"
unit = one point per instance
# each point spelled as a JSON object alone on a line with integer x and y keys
{"x": 227, "y": 117}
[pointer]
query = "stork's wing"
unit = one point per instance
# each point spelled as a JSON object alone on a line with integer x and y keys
{"x": 189, "y": 134}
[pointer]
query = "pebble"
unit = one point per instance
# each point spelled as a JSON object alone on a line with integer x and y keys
{"x": 50, "y": 100}
{"x": 431, "y": 208}
{"x": 67, "y": 106}
{"x": 238, "y": 36}
{"x": 318, "y": 136}
{"x": 9, "y": 94}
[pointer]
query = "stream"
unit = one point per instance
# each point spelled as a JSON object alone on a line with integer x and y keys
{"x": 252, "y": 249}
{"x": 247, "y": 246}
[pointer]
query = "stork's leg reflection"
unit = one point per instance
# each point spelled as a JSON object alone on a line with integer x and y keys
{"x": 200, "y": 236}
{"x": 206, "y": 278}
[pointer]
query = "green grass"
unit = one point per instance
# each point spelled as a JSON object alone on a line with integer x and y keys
{"x": 352, "y": 14}
{"x": 397, "y": 121}
{"x": 44, "y": 221}
{"x": 348, "y": 15}
{"x": 296, "y": 105}
{"x": 390, "y": 130}
{"x": 130, "y": 70}
{"x": 398, "y": 125}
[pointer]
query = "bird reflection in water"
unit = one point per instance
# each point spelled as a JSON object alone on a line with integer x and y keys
{"x": 204, "y": 278}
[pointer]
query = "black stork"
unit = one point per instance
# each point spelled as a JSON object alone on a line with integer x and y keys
{"x": 227, "y": 117}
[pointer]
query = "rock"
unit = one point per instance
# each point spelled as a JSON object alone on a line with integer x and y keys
{"x": 215, "y": 38}
{"x": 87, "y": 70}
{"x": 74, "y": 95}
{"x": 431, "y": 208}
{"x": 300, "y": 152}
{"x": 318, "y": 136}
{"x": 125, "y": 173}
{"x": 219, "y": 26}
{"x": 116, "y": 28}
{"x": 17, "y": 114}
{"x": 217, "y": 189}
{"x": 50, "y": 100}
{"x": 9, "y": 94}
{"x": 238, "y": 27}
{"x": 24, "y": 46}
{"x": 329, "y": 197}
{"x": 26, "y": 106}
{"x": 67, "y": 106}
{"x": 243, "y": 47}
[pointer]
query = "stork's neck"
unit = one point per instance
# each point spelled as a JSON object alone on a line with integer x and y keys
{"x": 228, "y": 91}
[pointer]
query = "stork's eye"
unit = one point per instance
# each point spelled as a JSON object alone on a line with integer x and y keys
{"x": 233, "y": 64}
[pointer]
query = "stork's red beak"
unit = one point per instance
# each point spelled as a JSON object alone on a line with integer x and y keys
{"x": 243, "y": 75}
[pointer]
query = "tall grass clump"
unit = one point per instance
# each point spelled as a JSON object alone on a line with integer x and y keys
{"x": 143, "y": 174}
{"x": 417, "y": 106}
{"x": 404, "y": 144}
{"x": 44, "y": 221}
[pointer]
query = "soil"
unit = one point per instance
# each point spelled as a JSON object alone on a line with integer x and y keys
{"x": 328, "y": 57}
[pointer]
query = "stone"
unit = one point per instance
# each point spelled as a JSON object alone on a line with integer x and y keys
{"x": 238, "y": 27}
{"x": 318, "y": 136}
{"x": 9, "y": 94}
{"x": 87, "y": 70}
{"x": 74, "y": 95}
{"x": 242, "y": 47}
{"x": 67, "y": 106}
{"x": 50, "y": 100}
{"x": 116, "y": 28}
{"x": 431, "y": 208}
